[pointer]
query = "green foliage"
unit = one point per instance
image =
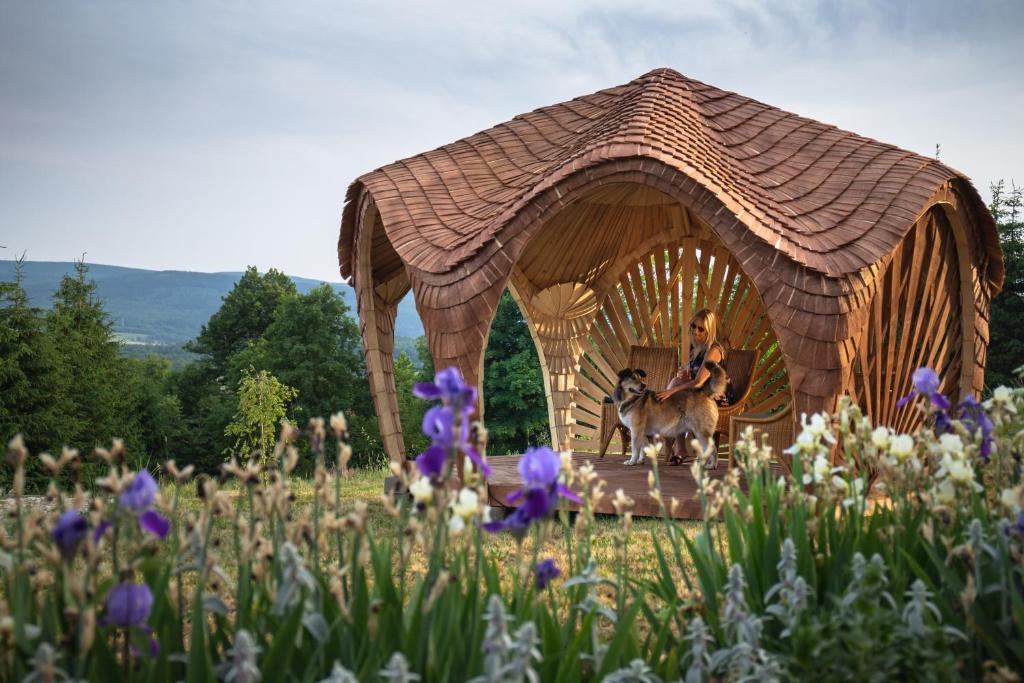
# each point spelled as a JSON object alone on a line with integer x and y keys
{"x": 27, "y": 375}
{"x": 514, "y": 405}
{"x": 307, "y": 341}
{"x": 262, "y": 404}
{"x": 410, "y": 408}
{"x": 247, "y": 311}
{"x": 796, "y": 575}
{"x": 153, "y": 407}
{"x": 427, "y": 370}
{"x": 1006, "y": 345}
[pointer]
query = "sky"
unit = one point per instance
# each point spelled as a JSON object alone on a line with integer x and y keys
{"x": 214, "y": 135}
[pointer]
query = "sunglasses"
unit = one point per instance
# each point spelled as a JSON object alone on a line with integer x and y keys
{"x": 696, "y": 328}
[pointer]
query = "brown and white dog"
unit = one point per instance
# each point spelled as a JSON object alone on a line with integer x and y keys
{"x": 690, "y": 410}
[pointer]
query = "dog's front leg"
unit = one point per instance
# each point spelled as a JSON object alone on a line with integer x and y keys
{"x": 637, "y": 443}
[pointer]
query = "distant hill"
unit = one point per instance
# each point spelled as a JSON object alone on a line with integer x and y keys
{"x": 166, "y": 308}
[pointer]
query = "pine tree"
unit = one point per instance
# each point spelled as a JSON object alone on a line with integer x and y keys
{"x": 27, "y": 375}
{"x": 1006, "y": 346}
{"x": 90, "y": 398}
{"x": 515, "y": 408}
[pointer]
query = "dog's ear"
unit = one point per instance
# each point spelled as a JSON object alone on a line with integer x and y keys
{"x": 625, "y": 372}
{"x": 640, "y": 372}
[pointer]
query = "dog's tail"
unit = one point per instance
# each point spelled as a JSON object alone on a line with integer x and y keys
{"x": 716, "y": 384}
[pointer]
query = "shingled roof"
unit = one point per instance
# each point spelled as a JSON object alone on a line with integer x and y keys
{"x": 830, "y": 200}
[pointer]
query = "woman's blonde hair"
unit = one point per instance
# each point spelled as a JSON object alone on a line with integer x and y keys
{"x": 710, "y": 320}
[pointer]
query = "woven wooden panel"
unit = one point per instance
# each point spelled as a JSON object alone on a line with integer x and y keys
{"x": 915, "y": 320}
{"x": 652, "y": 302}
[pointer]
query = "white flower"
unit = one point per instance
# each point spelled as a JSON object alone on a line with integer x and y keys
{"x": 1010, "y": 500}
{"x": 951, "y": 443}
{"x": 815, "y": 426}
{"x": 422, "y": 491}
{"x": 960, "y": 471}
{"x": 805, "y": 443}
{"x": 652, "y": 450}
{"x": 819, "y": 470}
{"x": 819, "y": 426}
{"x": 466, "y": 505}
{"x": 565, "y": 458}
{"x": 840, "y": 484}
{"x": 456, "y": 525}
{"x": 1002, "y": 397}
{"x": 901, "y": 446}
{"x": 880, "y": 438}
{"x": 946, "y": 493}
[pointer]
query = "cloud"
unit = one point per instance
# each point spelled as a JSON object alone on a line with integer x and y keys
{"x": 213, "y": 135}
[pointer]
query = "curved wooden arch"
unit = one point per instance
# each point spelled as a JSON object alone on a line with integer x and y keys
{"x": 581, "y": 336}
{"x": 378, "y": 305}
{"x": 651, "y": 303}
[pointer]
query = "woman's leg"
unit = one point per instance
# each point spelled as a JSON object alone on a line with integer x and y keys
{"x": 675, "y": 455}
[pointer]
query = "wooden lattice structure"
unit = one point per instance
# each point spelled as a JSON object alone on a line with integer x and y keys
{"x": 612, "y": 217}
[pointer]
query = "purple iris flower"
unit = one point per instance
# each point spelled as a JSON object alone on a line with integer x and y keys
{"x": 449, "y": 386}
{"x": 431, "y": 462}
{"x": 974, "y": 418}
{"x": 138, "y": 499}
{"x": 439, "y": 423}
{"x": 101, "y": 529}
{"x": 154, "y": 523}
{"x": 926, "y": 383}
{"x": 68, "y": 533}
{"x": 128, "y": 605}
{"x": 545, "y": 572}
{"x": 141, "y": 493}
{"x": 1018, "y": 526}
{"x": 539, "y": 469}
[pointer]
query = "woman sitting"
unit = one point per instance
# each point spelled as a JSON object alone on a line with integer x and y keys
{"x": 693, "y": 375}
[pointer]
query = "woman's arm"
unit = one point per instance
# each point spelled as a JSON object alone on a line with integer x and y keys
{"x": 713, "y": 354}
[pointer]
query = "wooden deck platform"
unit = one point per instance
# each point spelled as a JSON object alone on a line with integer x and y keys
{"x": 675, "y": 481}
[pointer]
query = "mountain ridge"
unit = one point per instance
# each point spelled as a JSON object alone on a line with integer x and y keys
{"x": 167, "y": 307}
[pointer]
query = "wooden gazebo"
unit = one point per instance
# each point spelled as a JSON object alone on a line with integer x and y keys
{"x": 613, "y": 216}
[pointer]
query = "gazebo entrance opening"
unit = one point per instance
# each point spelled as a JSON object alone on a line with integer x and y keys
{"x": 627, "y": 265}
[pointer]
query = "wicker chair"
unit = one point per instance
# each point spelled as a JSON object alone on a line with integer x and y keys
{"x": 740, "y": 365}
{"x": 661, "y": 364}
{"x": 779, "y": 428}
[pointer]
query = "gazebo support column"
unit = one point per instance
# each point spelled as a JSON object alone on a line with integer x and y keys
{"x": 559, "y": 318}
{"x": 457, "y": 332}
{"x": 378, "y": 305}
{"x": 378, "y": 331}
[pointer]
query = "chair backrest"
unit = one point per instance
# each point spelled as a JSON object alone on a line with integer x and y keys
{"x": 661, "y": 363}
{"x": 739, "y": 365}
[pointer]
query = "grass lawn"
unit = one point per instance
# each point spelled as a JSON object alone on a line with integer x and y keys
{"x": 368, "y": 485}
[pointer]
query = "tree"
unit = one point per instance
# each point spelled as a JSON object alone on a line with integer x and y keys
{"x": 90, "y": 398}
{"x": 410, "y": 408}
{"x": 207, "y": 406}
{"x": 154, "y": 409}
{"x": 514, "y": 404}
{"x": 313, "y": 344}
{"x": 247, "y": 311}
{"x": 262, "y": 404}
{"x": 1006, "y": 346}
{"x": 27, "y": 376}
